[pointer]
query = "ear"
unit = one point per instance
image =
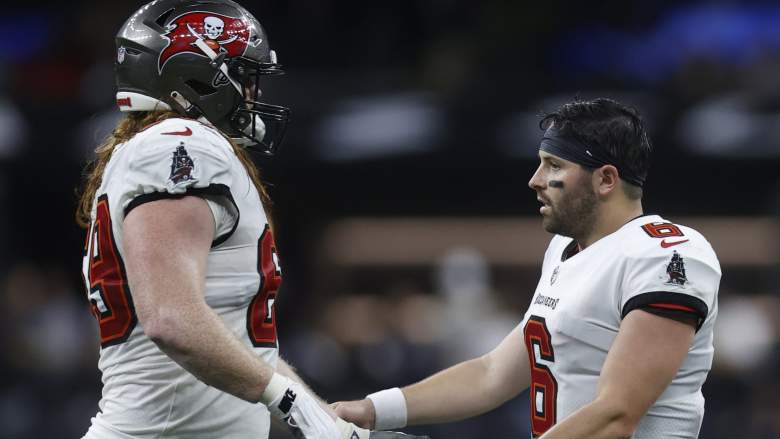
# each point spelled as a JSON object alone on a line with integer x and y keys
{"x": 606, "y": 180}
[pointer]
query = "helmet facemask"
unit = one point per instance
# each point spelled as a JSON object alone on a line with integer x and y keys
{"x": 256, "y": 124}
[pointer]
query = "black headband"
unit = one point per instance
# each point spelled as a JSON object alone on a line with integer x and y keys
{"x": 589, "y": 156}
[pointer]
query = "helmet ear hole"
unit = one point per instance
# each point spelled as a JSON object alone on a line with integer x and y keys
{"x": 201, "y": 88}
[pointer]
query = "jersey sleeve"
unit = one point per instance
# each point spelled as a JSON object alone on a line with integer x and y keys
{"x": 672, "y": 282}
{"x": 167, "y": 164}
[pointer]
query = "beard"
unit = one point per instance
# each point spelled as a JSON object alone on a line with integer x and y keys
{"x": 574, "y": 214}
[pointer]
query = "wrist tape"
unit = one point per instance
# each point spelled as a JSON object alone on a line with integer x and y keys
{"x": 275, "y": 388}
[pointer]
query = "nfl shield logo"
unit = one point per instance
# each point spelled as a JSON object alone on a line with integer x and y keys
{"x": 120, "y": 55}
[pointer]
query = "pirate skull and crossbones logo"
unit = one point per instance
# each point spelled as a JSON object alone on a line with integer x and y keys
{"x": 213, "y": 28}
{"x": 207, "y": 34}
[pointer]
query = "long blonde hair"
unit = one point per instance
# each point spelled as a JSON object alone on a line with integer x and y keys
{"x": 128, "y": 127}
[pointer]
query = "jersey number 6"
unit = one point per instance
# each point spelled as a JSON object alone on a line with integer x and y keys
{"x": 544, "y": 388}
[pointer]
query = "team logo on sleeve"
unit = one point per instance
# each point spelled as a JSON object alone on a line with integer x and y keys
{"x": 221, "y": 33}
{"x": 181, "y": 165}
{"x": 676, "y": 270}
{"x": 554, "y": 276}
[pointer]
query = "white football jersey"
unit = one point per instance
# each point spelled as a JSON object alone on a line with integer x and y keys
{"x": 145, "y": 393}
{"x": 581, "y": 300}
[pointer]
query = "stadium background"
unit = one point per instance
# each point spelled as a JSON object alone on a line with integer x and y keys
{"x": 409, "y": 239}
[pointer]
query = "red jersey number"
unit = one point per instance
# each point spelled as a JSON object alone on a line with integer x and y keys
{"x": 109, "y": 294}
{"x": 261, "y": 315}
{"x": 662, "y": 230}
{"x": 544, "y": 388}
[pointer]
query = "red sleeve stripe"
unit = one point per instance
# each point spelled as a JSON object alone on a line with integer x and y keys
{"x": 672, "y": 306}
{"x": 664, "y": 301}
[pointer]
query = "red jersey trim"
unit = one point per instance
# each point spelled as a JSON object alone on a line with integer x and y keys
{"x": 672, "y": 306}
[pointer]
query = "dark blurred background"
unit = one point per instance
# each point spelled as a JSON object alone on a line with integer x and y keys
{"x": 408, "y": 236}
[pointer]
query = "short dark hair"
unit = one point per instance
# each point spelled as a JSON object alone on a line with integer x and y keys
{"x": 614, "y": 126}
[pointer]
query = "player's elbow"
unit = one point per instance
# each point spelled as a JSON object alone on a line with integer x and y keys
{"x": 620, "y": 420}
{"x": 621, "y": 429}
{"x": 162, "y": 326}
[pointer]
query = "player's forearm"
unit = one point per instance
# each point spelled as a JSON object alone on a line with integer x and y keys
{"x": 195, "y": 337}
{"x": 600, "y": 419}
{"x": 456, "y": 393}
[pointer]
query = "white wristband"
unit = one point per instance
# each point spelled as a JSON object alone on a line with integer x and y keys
{"x": 390, "y": 408}
{"x": 276, "y": 387}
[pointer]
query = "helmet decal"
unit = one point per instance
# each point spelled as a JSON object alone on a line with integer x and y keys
{"x": 221, "y": 33}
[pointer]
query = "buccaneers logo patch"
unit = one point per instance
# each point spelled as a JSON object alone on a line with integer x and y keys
{"x": 220, "y": 32}
{"x": 676, "y": 270}
{"x": 181, "y": 165}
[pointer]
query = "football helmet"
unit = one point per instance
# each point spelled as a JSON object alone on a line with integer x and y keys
{"x": 202, "y": 59}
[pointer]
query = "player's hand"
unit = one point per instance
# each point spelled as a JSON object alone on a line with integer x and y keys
{"x": 360, "y": 413}
{"x": 294, "y": 405}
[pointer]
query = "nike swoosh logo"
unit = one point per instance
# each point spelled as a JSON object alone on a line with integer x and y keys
{"x": 186, "y": 132}
{"x": 665, "y": 244}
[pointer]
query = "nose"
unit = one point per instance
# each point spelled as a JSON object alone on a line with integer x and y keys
{"x": 536, "y": 182}
{"x": 249, "y": 91}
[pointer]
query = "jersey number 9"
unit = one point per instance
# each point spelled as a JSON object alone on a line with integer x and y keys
{"x": 108, "y": 292}
{"x": 261, "y": 316}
